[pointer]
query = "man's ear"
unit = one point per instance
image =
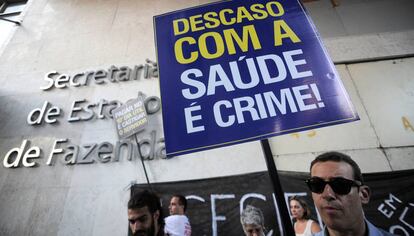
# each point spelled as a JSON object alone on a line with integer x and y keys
{"x": 364, "y": 194}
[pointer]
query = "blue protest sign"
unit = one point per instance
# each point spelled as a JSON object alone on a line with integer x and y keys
{"x": 238, "y": 71}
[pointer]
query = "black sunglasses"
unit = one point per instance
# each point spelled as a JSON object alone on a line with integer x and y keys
{"x": 339, "y": 185}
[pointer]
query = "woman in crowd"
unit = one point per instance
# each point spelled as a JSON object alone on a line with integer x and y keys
{"x": 300, "y": 211}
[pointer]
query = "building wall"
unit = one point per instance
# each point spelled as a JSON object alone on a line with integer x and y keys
{"x": 371, "y": 42}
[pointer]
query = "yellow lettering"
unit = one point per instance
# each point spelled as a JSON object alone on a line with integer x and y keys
{"x": 227, "y": 17}
{"x": 176, "y": 26}
{"x": 407, "y": 124}
{"x": 223, "y": 17}
{"x": 249, "y": 32}
{"x": 257, "y": 8}
{"x": 243, "y": 13}
{"x": 212, "y": 21}
{"x": 278, "y": 26}
{"x": 194, "y": 23}
{"x": 202, "y": 41}
{"x": 178, "y": 49}
{"x": 280, "y": 10}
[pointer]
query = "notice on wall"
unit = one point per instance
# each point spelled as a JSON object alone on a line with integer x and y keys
{"x": 239, "y": 71}
{"x": 130, "y": 118}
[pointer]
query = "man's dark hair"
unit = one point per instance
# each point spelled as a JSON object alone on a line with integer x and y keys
{"x": 181, "y": 200}
{"x": 339, "y": 157}
{"x": 148, "y": 199}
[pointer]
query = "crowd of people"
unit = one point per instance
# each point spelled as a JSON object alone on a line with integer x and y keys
{"x": 338, "y": 192}
{"x": 145, "y": 215}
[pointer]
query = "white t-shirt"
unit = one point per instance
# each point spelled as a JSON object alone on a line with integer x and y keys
{"x": 177, "y": 225}
{"x": 308, "y": 229}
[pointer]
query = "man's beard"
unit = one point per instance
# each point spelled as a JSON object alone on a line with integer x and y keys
{"x": 148, "y": 232}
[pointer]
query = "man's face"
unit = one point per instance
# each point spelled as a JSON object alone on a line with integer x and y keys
{"x": 253, "y": 230}
{"x": 338, "y": 212}
{"x": 175, "y": 208}
{"x": 142, "y": 222}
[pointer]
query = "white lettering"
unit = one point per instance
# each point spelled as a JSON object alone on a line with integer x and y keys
{"x": 218, "y": 77}
{"x": 250, "y": 195}
{"x": 402, "y": 217}
{"x": 301, "y": 97}
{"x": 394, "y": 228}
{"x": 33, "y": 152}
{"x": 267, "y": 78}
{"x": 271, "y": 99}
{"x": 218, "y": 116}
{"x": 214, "y": 216}
{"x": 49, "y": 79}
{"x": 18, "y": 151}
{"x": 237, "y": 78}
{"x": 292, "y": 64}
{"x": 248, "y": 107}
{"x": 55, "y": 150}
{"x": 201, "y": 89}
{"x": 189, "y": 119}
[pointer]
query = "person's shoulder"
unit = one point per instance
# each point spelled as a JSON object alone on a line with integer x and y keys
{"x": 171, "y": 218}
{"x": 175, "y": 218}
{"x": 380, "y": 232}
{"x": 320, "y": 233}
{"x": 315, "y": 227}
{"x": 375, "y": 231}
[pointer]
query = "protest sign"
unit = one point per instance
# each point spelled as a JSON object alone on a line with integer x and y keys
{"x": 238, "y": 71}
{"x": 130, "y": 118}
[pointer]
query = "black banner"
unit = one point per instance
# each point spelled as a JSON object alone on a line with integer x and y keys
{"x": 214, "y": 205}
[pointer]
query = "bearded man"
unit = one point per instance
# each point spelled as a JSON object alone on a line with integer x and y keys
{"x": 145, "y": 214}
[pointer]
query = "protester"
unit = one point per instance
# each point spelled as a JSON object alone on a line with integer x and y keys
{"x": 252, "y": 221}
{"x": 177, "y": 224}
{"x": 145, "y": 214}
{"x": 300, "y": 211}
{"x": 338, "y": 191}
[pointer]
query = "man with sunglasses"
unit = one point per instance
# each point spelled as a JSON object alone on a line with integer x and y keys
{"x": 338, "y": 192}
{"x": 145, "y": 214}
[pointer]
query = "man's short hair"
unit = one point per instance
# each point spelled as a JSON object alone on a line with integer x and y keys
{"x": 339, "y": 157}
{"x": 251, "y": 215}
{"x": 148, "y": 199}
{"x": 181, "y": 200}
